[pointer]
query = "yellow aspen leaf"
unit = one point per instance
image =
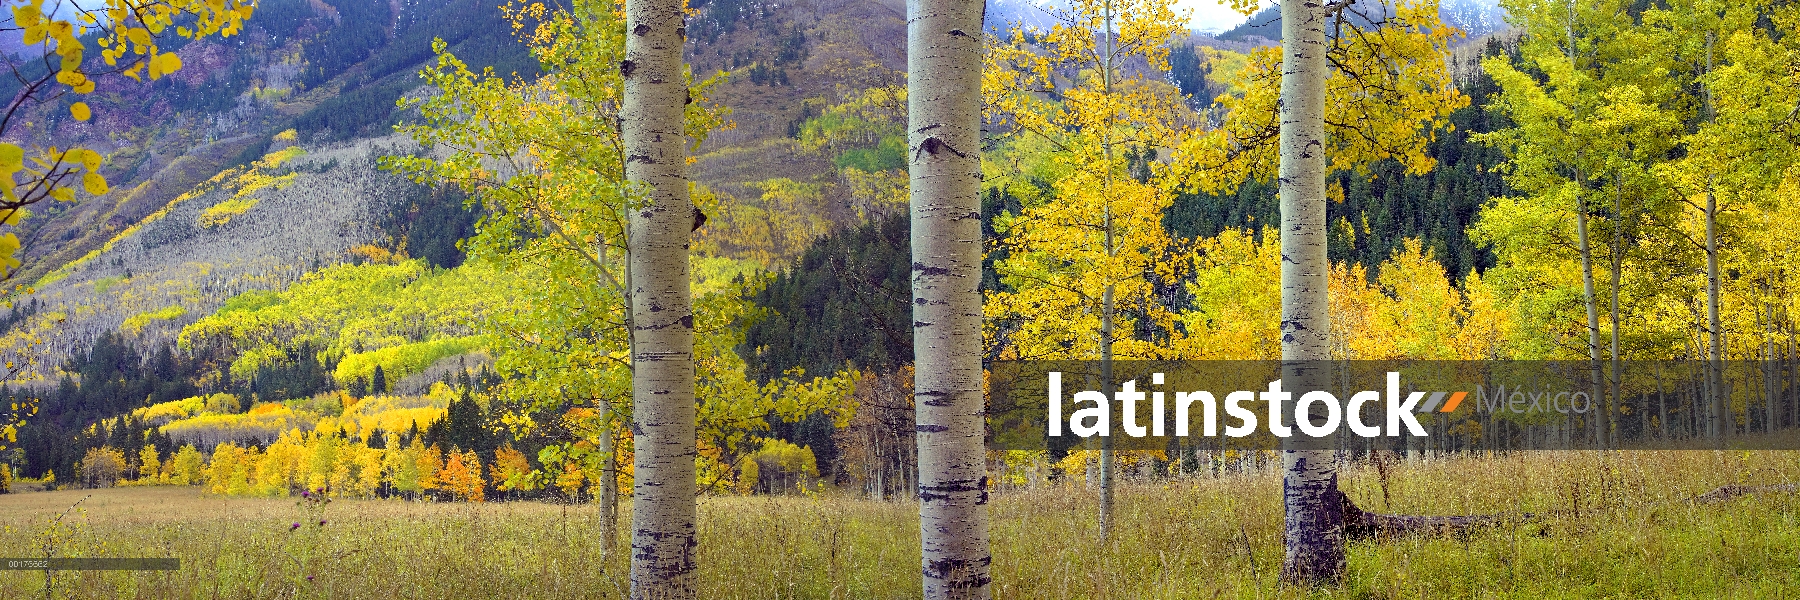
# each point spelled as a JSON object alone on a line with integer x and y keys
{"x": 12, "y": 158}
{"x": 94, "y": 184}
{"x": 80, "y": 111}
{"x": 27, "y": 15}
{"x": 9, "y": 245}
{"x": 163, "y": 64}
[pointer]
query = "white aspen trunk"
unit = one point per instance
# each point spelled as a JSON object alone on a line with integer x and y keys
{"x": 1313, "y": 537}
{"x": 1718, "y": 410}
{"x": 1106, "y": 378}
{"x": 609, "y": 487}
{"x": 1770, "y": 390}
{"x": 662, "y": 320}
{"x": 1618, "y": 264}
{"x": 1719, "y": 422}
{"x": 943, "y": 56}
{"x": 1587, "y": 289}
{"x": 1793, "y": 375}
{"x": 1587, "y": 255}
{"x": 1106, "y": 299}
{"x": 1662, "y": 407}
{"x": 1699, "y": 418}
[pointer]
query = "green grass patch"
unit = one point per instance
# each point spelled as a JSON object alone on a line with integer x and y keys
{"x": 400, "y": 361}
{"x": 1634, "y": 536}
{"x": 136, "y": 322}
{"x": 106, "y": 284}
{"x": 221, "y": 213}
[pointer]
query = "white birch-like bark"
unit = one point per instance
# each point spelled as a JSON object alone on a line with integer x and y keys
{"x": 1106, "y": 377}
{"x": 1719, "y": 423}
{"x": 1106, "y": 298}
{"x": 943, "y": 56}
{"x": 1771, "y": 389}
{"x": 1586, "y": 287}
{"x": 1615, "y": 394}
{"x": 1587, "y": 254}
{"x": 1793, "y": 377}
{"x": 609, "y": 486}
{"x": 1313, "y": 537}
{"x": 1719, "y": 414}
{"x": 662, "y": 320}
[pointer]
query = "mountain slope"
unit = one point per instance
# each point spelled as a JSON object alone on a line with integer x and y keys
{"x": 331, "y": 69}
{"x": 256, "y": 227}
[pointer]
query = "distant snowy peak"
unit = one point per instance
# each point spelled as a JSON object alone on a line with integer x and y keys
{"x": 1003, "y": 14}
{"x": 1474, "y": 17}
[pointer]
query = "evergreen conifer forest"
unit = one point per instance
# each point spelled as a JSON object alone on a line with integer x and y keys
{"x": 942, "y": 299}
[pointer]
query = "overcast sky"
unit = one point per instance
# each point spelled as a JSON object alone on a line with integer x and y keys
{"x": 1212, "y": 15}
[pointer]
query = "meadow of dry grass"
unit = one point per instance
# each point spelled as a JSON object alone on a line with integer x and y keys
{"x": 1620, "y": 526}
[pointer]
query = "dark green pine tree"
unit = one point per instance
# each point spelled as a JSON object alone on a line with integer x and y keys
{"x": 120, "y": 436}
{"x": 377, "y": 439}
{"x": 359, "y": 387}
{"x": 437, "y": 434}
{"x": 466, "y": 426}
{"x": 379, "y": 384}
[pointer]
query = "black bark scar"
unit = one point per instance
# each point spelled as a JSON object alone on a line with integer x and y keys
{"x": 923, "y": 269}
{"x": 932, "y": 145}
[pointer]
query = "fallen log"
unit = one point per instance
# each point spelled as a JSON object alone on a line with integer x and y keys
{"x": 1727, "y": 492}
{"x": 1361, "y": 524}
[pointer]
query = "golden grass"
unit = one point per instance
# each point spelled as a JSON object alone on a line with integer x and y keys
{"x": 1620, "y": 526}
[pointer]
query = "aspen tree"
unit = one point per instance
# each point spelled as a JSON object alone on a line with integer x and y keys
{"x": 1085, "y": 258}
{"x": 1359, "y": 95}
{"x": 944, "y": 66}
{"x": 1314, "y": 529}
{"x": 663, "y": 536}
